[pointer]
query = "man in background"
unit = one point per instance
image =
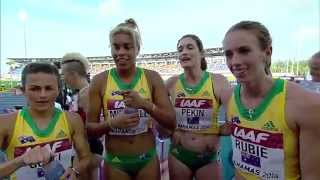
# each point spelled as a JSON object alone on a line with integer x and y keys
{"x": 314, "y": 67}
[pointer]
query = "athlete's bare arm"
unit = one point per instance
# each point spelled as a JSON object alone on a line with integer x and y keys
{"x": 223, "y": 91}
{"x": 163, "y": 111}
{"x": 35, "y": 155}
{"x": 97, "y": 86}
{"x": 221, "y": 84}
{"x": 80, "y": 143}
{"x": 303, "y": 116}
{"x": 8, "y": 167}
{"x": 170, "y": 84}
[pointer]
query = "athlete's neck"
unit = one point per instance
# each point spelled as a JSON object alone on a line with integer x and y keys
{"x": 256, "y": 89}
{"x": 193, "y": 75}
{"x": 127, "y": 75}
{"x": 42, "y": 118}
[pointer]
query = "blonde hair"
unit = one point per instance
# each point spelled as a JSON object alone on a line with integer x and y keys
{"x": 76, "y": 62}
{"x": 129, "y": 27}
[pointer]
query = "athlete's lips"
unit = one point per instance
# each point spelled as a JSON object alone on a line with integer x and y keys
{"x": 122, "y": 61}
{"x": 42, "y": 102}
{"x": 183, "y": 59}
{"x": 238, "y": 72}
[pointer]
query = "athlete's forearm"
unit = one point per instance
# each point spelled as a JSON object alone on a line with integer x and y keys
{"x": 165, "y": 117}
{"x": 9, "y": 167}
{"x": 97, "y": 129}
{"x": 83, "y": 166}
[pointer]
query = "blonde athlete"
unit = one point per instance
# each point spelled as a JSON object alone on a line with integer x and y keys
{"x": 129, "y": 97}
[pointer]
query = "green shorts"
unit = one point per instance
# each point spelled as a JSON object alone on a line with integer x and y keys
{"x": 193, "y": 160}
{"x": 131, "y": 164}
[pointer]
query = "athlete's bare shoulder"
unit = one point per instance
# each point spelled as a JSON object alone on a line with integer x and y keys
{"x": 74, "y": 120}
{"x": 171, "y": 82}
{"x": 221, "y": 86}
{"x": 98, "y": 83}
{"x": 303, "y": 117}
{"x": 153, "y": 75}
{"x": 302, "y": 105}
{"x": 7, "y": 122}
{"x": 100, "y": 77}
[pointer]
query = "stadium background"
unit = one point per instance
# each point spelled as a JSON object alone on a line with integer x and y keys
{"x": 166, "y": 64}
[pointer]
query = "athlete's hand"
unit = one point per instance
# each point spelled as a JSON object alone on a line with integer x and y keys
{"x": 125, "y": 120}
{"x": 37, "y": 155}
{"x": 225, "y": 129}
{"x": 69, "y": 174}
{"x": 176, "y": 137}
{"x": 132, "y": 99}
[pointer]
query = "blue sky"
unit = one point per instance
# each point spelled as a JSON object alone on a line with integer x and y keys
{"x": 54, "y": 27}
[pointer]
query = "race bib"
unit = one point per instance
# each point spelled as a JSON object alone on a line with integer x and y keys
{"x": 117, "y": 106}
{"x": 259, "y": 153}
{"x": 193, "y": 114}
{"x": 63, "y": 152}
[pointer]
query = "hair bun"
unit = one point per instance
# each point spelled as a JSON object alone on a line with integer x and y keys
{"x": 131, "y": 23}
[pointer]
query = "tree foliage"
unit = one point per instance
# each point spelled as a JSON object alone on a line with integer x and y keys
{"x": 296, "y": 67}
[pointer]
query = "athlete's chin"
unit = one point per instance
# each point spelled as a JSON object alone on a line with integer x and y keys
{"x": 42, "y": 108}
{"x": 241, "y": 79}
{"x": 186, "y": 65}
{"x": 123, "y": 66}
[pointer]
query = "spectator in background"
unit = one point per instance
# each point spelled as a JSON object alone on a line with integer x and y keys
{"x": 314, "y": 67}
{"x": 75, "y": 70}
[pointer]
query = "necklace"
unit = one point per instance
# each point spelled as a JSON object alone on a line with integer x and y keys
{"x": 251, "y": 113}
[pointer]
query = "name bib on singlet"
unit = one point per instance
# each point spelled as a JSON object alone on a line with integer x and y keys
{"x": 258, "y": 152}
{"x": 117, "y": 106}
{"x": 62, "y": 150}
{"x": 193, "y": 114}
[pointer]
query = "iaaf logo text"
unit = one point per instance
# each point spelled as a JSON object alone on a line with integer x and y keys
{"x": 251, "y": 135}
{"x": 54, "y": 147}
{"x": 192, "y": 103}
{"x": 51, "y": 148}
{"x": 119, "y": 105}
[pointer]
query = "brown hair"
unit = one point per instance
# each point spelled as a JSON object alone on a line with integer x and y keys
{"x": 34, "y": 68}
{"x": 200, "y": 46}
